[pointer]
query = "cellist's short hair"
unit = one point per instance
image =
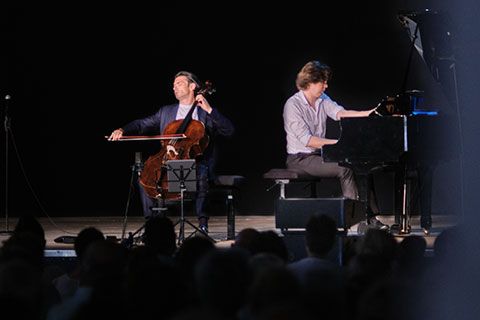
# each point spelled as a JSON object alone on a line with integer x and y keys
{"x": 313, "y": 72}
{"x": 191, "y": 78}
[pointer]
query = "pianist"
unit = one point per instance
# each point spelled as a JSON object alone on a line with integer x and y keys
{"x": 305, "y": 118}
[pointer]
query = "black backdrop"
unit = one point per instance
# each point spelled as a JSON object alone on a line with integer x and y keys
{"x": 75, "y": 73}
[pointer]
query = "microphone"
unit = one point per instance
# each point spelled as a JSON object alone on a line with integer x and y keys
{"x": 7, "y": 101}
{"x": 6, "y": 122}
{"x": 138, "y": 163}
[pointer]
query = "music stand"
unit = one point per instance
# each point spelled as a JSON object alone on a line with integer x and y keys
{"x": 182, "y": 177}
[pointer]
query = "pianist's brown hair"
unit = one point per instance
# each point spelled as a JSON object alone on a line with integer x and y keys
{"x": 313, "y": 72}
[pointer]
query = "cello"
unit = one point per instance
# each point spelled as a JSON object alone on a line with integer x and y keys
{"x": 192, "y": 144}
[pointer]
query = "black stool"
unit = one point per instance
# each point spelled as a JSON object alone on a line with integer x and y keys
{"x": 292, "y": 213}
{"x": 229, "y": 185}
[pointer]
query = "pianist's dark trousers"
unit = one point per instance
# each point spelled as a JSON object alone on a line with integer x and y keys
{"x": 313, "y": 165}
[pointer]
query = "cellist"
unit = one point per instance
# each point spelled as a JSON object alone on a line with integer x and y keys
{"x": 185, "y": 86}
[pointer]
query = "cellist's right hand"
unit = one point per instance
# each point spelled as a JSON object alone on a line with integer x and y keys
{"x": 116, "y": 135}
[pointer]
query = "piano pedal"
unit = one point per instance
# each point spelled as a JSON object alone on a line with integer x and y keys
{"x": 395, "y": 228}
{"x": 406, "y": 230}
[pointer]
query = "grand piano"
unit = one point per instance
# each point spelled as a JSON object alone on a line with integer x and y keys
{"x": 390, "y": 138}
{"x": 400, "y": 136}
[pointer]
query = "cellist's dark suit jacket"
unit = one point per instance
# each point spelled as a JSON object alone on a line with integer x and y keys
{"x": 215, "y": 124}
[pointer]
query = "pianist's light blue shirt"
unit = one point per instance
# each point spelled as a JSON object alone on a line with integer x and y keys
{"x": 301, "y": 121}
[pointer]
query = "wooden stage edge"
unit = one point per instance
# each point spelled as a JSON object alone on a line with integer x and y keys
{"x": 113, "y": 226}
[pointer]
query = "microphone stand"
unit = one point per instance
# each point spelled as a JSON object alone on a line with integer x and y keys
{"x": 137, "y": 167}
{"x": 6, "y": 125}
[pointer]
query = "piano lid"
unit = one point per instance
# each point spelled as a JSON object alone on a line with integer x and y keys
{"x": 432, "y": 36}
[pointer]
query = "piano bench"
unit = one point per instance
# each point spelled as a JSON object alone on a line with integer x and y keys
{"x": 283, "y": 177}
{"x": 280, "y": 173}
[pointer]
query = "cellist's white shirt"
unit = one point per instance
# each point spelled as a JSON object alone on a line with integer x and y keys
{"x": 183, "y": 111}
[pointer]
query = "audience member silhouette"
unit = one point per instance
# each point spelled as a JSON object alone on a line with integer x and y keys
{"x": 154, "y": 287}
{"x": 246, "y": 238}
{"x": 188, "y": 254}
{"x": 160, "y": 235}
{"x": 269, "y": 242}
{"x": 320, "y": 235}
{"x": 378, "y": 243}
{"x": 27, "y": 242}
{"x": 222, "y": 278}
{"x": 262, "y": 261}
{"x": 374, "y": 263}
{"x": 27, "y": 245}
{"x": 101, "y": 284}
{"x": 28, "y": 223}
{"x": 321, "y": 279}
{"x": 390, "y": 298}
{"x": 411, "y": 257}
{"x": 68, "y": 283}
{"x": 20, "y": 290}
{"x": 272, "y": 288}
{"x": 446, "y": 282}
{"x": 445, "y": 246}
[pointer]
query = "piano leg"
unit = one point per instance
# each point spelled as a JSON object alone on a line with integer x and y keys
{"x": 425, "y": 176}
{"x": 404, "y": 223}
{"x": 403, "y": 187}
{"x": 415, "y": 195}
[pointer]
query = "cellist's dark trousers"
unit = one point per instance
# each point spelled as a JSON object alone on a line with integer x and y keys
{"x": 201, "y": 201}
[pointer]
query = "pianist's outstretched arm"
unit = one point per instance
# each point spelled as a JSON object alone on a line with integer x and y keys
{"x": 318, "y": 143}
{"x": 353, "y": 113}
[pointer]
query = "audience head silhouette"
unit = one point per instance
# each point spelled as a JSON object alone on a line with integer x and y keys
{"x": 160, "y": 235}
{"x": 320, "y": 235}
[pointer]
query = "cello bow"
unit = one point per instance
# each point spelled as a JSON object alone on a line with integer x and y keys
{"x": 147, "y": 138}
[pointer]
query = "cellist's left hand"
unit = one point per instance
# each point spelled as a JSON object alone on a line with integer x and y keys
{"x": 203, "y": 103}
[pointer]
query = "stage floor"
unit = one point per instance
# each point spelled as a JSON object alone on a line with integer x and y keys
{"x": 113, "y": 226}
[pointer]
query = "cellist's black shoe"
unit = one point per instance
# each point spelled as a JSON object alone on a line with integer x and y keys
{"x": 204, "y": 229}
{"x": 203, "y": 224}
